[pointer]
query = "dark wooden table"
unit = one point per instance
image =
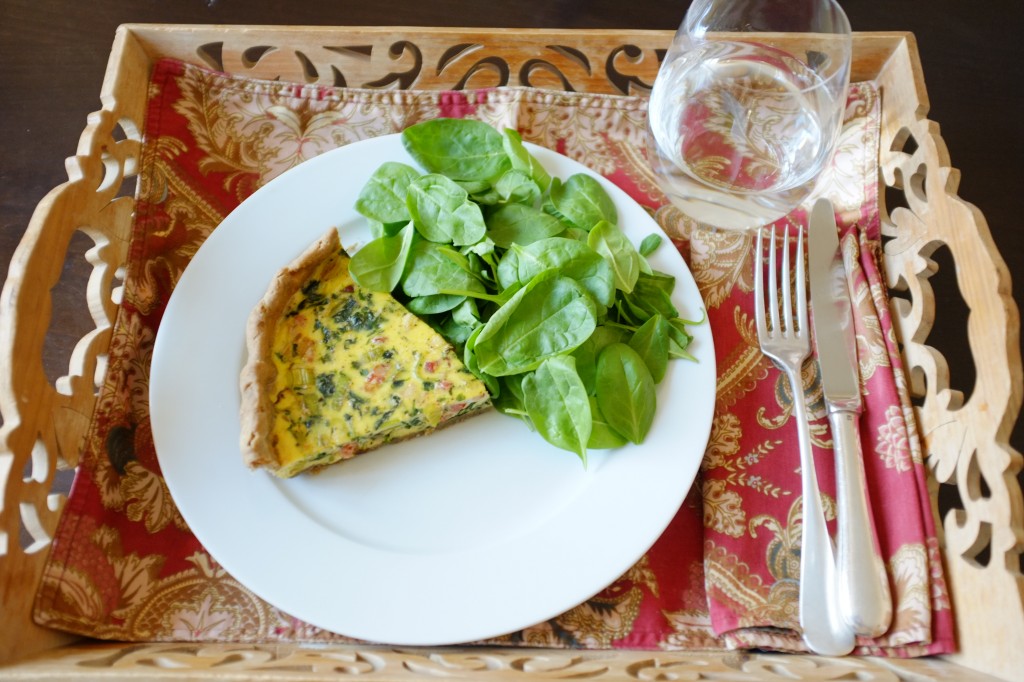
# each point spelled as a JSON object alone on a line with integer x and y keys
{"x": 53, "y": 54}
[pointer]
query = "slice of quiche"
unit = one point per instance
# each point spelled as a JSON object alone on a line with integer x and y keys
{"x": 335, "y": 370}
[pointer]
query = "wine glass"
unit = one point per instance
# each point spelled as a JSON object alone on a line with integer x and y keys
{"x": 747, "y": 106}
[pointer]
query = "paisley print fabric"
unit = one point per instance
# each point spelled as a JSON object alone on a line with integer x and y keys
{"x": 125, "y": 566}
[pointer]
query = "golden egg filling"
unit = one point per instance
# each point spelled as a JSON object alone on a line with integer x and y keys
{"x": 335, "y": 370}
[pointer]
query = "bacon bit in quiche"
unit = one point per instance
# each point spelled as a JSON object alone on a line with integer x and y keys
{"x": 444, "y": 385}
{"x": 456, "y": 408}
{"x": 430, "y": 366}
{"x": 376, "y": 377}
{"x": 379, "y": 339}
{"x": 349, "y": 450}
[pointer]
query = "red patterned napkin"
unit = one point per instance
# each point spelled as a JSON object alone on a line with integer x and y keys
{"x": 125, "y": 566}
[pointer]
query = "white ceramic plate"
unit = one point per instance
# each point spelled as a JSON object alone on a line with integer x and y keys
{"x": 475, "y": 531}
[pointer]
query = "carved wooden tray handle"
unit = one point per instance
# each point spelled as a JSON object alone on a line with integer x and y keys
{"x": 966, "y": 440}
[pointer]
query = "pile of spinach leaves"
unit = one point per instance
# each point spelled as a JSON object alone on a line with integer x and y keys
{"x": 529, "y": 277}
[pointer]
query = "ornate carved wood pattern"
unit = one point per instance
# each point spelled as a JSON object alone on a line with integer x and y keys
{"x": 44, "y": 423}
{"x": 394, "y": 62}
{"x": 296, "y": 662}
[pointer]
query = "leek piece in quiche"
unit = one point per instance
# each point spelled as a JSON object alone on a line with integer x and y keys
{"x": 335, "y": 370}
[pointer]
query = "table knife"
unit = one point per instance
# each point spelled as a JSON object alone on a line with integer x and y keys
{"x": 861, "y": 581}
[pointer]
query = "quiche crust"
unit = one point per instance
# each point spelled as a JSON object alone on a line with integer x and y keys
{"x": 334, "y": 370}
{"x": 259, "y": 373}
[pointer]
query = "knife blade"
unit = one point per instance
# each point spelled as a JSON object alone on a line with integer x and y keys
{"x": 862, "y": 583}
{"x": 833, "y": 317}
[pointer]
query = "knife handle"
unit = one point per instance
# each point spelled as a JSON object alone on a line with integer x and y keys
{"x": 862, "y": 582}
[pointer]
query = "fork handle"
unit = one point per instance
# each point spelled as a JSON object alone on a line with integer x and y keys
{"x": 863, "y": 585}
{"x": 824, "y": 629}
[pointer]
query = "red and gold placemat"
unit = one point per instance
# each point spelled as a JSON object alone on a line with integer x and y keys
{"x": 125, "y": 566}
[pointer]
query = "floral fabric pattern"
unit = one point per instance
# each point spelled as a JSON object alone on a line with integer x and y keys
{"x": 124, "y": 564}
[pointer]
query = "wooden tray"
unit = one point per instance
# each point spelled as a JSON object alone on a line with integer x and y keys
{"x": 966, "y": 440}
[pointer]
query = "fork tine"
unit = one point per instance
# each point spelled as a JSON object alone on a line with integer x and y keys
{"x": 786, "y": 274}
{"x": 762, "y": 330}
{"x": 801, "y": 285}
{"x": 773, "y": 285}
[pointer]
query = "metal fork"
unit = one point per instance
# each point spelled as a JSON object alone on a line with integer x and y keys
{"x": 787, "y": 341}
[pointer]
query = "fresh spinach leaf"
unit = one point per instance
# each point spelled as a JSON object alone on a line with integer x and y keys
{"x": 625, "y": 391}
{"x": 652, "y": 296}
{"x": 486, "y": 197}
{"x": 602, "y": 435}
{"x": 587, "y": 353}
{"x": 650, "y": 244}
{"x": 475, "y": 187}
{"x": 572, "y": 259}
{"x": 550, "y": 316}
{"x": 436, "y": 269}
{"x": 666, "y": 283}
{"x": 651, "y": 342}
{"x": 443, "y": 212}
{"x": 517, "y": 187}
{"x": 472, "y": 363}
{"x": 379, "y": 265}
{"x": 609, "y": 241}
{"x": 576, "y": 233}
{"x": 480, "y": 253}
{"x": 508, "y": 268}
{"x": 523, "y": 160}
{"x": 679, "y": 339}
{"x": 467, "y": 261}
{"x": 520, "y": 224}
{"x": 558, "y": 406}
{"x": 455, "y": 332}
{"x": 581, "y": 201}
{"x": 462, "y": 149}
{"x": 628, "y": 312}
{"x": 509, "y": 400}
{"x": 383, "y": 196}
{"x": 467, "y": 313}
{"x": 433, "y": 304}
